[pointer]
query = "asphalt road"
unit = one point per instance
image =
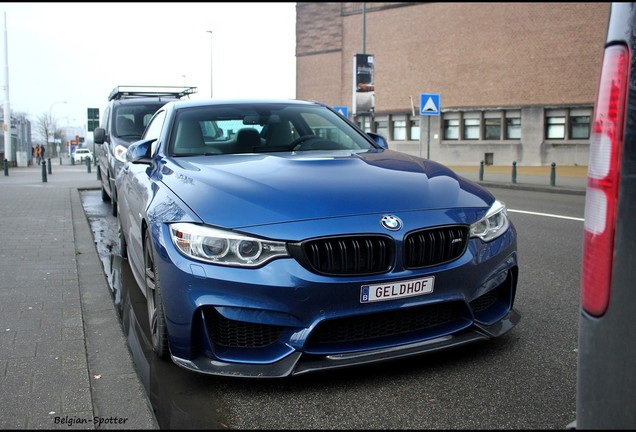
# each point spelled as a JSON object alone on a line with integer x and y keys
{"x": 524, "y": 380}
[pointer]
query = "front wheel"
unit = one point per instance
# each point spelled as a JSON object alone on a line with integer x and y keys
{"x": 156, "y": 317}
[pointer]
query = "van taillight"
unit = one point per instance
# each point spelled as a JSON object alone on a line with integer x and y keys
{"x": 601, "y": 197}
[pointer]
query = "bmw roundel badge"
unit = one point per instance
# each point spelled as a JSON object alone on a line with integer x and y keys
{"x": 391, "y": 223}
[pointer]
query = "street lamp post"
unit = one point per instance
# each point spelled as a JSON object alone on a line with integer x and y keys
{"x": 51, "y": 123}
{"x": 210, "y": 31}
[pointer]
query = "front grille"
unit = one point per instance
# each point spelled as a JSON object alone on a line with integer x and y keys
{"x": 434, "y": 246}
{"x": 374, "y": 254}
{"x": 347, "y": 255}
{"x": 239, "y": 334}
{"x": 373, "y": 326}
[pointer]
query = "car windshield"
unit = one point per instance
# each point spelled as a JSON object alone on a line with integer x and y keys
{"x": 262, "y": 128}
{"x": 131, "y": 119}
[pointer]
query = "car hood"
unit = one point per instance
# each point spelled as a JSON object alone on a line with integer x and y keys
{"x": 236, "y": 191}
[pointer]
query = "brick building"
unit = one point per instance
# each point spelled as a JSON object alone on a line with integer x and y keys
{"x": 516, "y": 81}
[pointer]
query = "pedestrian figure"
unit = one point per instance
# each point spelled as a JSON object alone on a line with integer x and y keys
{"x": 37, "y": 153}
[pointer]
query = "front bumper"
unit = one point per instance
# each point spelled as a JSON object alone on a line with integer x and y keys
{"x": 284, "y": 320}
{"x": 298, "y": 363}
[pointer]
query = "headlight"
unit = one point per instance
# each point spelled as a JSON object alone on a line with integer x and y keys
{"x": 120, "y": 153}
{"x": 224, "y": 247}
{"x": 493, "y": 224}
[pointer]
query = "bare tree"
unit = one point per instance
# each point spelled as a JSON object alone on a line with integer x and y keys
{"x": 45, "y": 127}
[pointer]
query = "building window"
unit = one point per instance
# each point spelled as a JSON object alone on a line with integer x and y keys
{"x": 579, "y": 123}
{"x": 364, "y": 123}
{"x": 513, "y": 128}
{"x": 492, "y": 128}
{"x": 492, "y": 125}
{"x": 580, "y": 127}
{"x": 471, "y": 128}
{"x": 399, "y": 128}
{"x": 555, "y": 128}
{"x": 555, "y": 124}
{"x": 382, "y": 127}
{"x": 451, "y": 129}
{"x": 487, "y": 125}
{"x": 414, "y": 128}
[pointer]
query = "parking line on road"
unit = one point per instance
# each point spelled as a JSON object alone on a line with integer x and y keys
{"x": 547, "y": 215}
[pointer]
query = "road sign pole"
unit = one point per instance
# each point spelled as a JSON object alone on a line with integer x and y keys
{"x": 428, "y": 139}
{"x": 420, "y": 140}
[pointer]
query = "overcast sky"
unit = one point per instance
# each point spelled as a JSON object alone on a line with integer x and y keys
{"x": 78, "y": 52}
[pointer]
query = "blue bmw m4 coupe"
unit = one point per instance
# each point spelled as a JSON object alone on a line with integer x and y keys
{"x": 276, "y": 238}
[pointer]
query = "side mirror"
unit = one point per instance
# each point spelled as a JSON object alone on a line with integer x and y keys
{"x": 139, "y": 152}
{"x": 99, "y": 135}
{"x": 379, "y": 140}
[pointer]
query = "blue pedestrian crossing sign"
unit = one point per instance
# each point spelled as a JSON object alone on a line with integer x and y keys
{"x": 342, "y": 110}
{"x": 429, "y": 104}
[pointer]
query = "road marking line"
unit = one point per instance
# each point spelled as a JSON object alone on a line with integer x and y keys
{"x": 547, "y": 215}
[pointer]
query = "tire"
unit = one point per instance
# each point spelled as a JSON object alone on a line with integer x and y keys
{"x": 123, "y": 246}
{"x": 113, "y": 200}
{"x": 156, "y": 316}
{"x": 105, "y": 196}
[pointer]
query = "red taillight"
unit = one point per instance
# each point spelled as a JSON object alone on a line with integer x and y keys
{"x": 601, "y": 198}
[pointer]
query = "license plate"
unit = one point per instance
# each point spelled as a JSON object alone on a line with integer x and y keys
{"x": 396, "y": 290}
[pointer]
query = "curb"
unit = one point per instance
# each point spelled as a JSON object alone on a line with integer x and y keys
{"x": 116, "y": 391}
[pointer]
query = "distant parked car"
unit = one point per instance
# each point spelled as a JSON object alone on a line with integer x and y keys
{"x": 297, "y": 242}
{"x": 81, "y": 154}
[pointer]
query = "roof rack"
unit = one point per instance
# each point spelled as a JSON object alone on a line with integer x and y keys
{"x": 125, "y": 92}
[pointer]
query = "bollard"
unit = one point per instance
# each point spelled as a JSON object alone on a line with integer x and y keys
{"x": 43, "y": 171}
{"x": 6, "y": 167}
{"x": 514, "y": 172}
{"x": 88, "y": 165}
{"x": 60, "y": 160}
{"x": 553, "y": 174}
{"x": 50, "y": 166}
{"x": 98, "y": 172}
{"x": 481, "y": 171}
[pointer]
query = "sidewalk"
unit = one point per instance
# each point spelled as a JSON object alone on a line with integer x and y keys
{"x": 567, "y": 179}
{"x": 64, "y": 361}
{"x": 63, "y": 355}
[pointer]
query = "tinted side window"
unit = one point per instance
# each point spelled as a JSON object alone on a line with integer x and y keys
{"x": 132, "y": 119}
